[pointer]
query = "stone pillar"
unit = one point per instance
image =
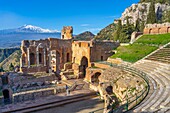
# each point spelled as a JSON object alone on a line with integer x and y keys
{"x": 37, "y": 57}
{"x": 21, "y": 62}
{"x": 28, "y": 54}
{"x": 44, "y": 57}
{"x": 49, "y": 55}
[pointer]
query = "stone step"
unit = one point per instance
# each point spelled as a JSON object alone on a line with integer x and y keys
{"x": 154, "y": 99}
{"x": 137, "y": 110}
{"x": 164, "y": 96}
{"x": 163, "y": 73}
{"x": 167, "y": 101}
{"x": 164, "y": 110}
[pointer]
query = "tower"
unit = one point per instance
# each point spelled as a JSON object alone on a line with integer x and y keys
{"x": 67, "y": 32}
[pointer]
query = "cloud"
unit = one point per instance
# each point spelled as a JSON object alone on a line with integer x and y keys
{"x": 114, "y": 16}
{"x": 85, "y": 25}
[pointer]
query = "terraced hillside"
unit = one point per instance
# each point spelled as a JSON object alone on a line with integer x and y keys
{"x": 13, "y": 58}
{"x": 142, "y": 47}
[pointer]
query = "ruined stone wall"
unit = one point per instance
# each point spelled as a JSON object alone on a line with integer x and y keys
{"x": 37, "y": 55}
{"x": 80, "y": 49}
{"x": 101, "y": 50}
{"x": 157, "y": 28}
{"x": 67, "y": 32}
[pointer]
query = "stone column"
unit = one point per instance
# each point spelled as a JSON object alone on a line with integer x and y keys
{"x": 28, "y": 54}
{"x": 49, "y": 55}
{"x": 37, "y": 57}
{"x": 44, "y": 57}
{"x": 21, "y": 62}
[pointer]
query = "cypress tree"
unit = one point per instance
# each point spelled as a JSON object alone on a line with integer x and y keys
{"x": 151, "y": 18}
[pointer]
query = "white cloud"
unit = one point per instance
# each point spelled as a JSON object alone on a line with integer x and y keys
{"x": 114, "y": 16}
{"x": 85, "y": 25}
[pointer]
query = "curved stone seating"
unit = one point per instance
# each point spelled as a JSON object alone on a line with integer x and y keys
{"x": 162, "y": 55}
{"x": 159, "y": 100}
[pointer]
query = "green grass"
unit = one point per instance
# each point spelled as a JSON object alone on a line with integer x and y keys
{"x": 161, "y": 39}
{"x": 142, "y": 47}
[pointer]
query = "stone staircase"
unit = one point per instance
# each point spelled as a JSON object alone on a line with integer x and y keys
{"x": 161, "y": 55}
{"x": 158, "y": 99}
{"x": 67, "y": 75}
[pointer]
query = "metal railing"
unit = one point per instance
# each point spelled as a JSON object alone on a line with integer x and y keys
{"x": 130, "y": 102}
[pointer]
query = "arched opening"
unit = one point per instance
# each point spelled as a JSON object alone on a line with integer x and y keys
{"x": 4, "y": 80}
{"x": 40, "y": 58}
{"x": 95, "y": 78}
{"x": 32, "y": 59}
{"x": 159, "y": 31}
{"x": 84, "y": 65}
{"x": 150, "y": 31}
{"x": 6, "y": 96}
{"x": 168, "y": 30}
{"x": 68, "y": 57}
{"x": 109, "y": 90}
{"x": 101, "y": 58}
{"x": 74, "y": 59}
{"x": 57, "y": 62}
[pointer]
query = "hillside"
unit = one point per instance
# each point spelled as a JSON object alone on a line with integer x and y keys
{"x": 142, "y": 47}
{"x": 107, "y": 32}
{"x": 84, "y": 36}
{"x": 134, "y": 18}
{"x": 14, "y": 58}
{"x": 5, "y": 53}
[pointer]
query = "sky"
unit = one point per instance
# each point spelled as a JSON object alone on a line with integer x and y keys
{"x": 83, "y": 15}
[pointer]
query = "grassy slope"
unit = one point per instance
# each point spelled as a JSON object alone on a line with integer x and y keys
{"x": 142, "y": 47}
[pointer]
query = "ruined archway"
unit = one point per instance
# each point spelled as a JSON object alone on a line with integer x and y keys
{"x": 68, "y": 57}
{"x": 168, "y": 30}
{"x": 84, "y": 65}
{"x": 150, "y": 31}
{"x": 32, "y": 59}
{"x": 40, "y": 58}
{"x": 159, "y": 31}
{"x": 6, "y": 96}
{"x": 95, "y": 78}
{"x": 109, "y": 90}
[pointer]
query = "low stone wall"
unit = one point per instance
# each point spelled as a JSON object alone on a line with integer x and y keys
{"x": 35, "y": 94}
{"x": 34, "y": 69}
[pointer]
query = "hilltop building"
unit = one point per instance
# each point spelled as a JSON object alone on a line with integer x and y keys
{"x": 157, "y": 28}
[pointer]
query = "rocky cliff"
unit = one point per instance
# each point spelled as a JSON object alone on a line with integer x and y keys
{"x": 141, "y": 10}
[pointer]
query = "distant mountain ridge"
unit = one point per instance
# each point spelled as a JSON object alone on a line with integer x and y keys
{"x": 28, "y": 29}
{"x": 13, "y": 37}
{"x": 87, "y": 35}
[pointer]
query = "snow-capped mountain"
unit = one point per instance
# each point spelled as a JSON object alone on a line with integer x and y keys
{"x": 31, "y": 28}
{"x": 28, "y": 29}
{"x": 13, "y": 37}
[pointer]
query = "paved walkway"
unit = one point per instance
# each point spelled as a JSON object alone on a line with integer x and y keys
{"x": 45, "y": 100}
{"x": 84, "y": 106}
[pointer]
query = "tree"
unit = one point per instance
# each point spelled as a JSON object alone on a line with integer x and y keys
{"x": 1, "y": 69}
{"x": 166, "y": 16}
{"x": 137, "y": 25}
{"x": 11, "y": 67}
{"x": 117, "y": 33}
{"x": 142, "y": 26}
{"x": 151, "y": 18}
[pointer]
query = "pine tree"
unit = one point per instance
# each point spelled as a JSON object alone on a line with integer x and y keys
{"x": 151, "y": 18}
{"x": 137, "y": 25}
{"x": 118, "y": 31}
